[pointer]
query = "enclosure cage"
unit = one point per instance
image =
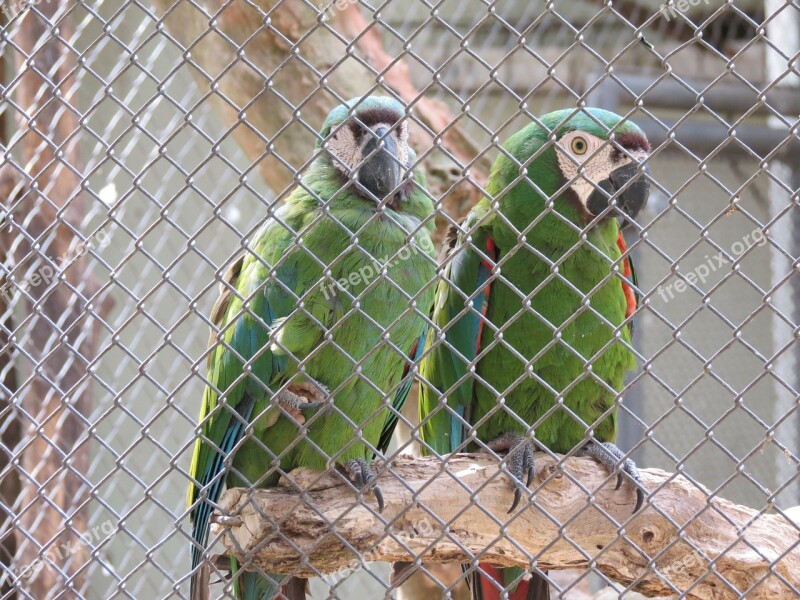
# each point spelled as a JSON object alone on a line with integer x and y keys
{"x": 146, "y": 142}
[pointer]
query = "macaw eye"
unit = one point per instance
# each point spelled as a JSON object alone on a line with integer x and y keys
{"x": 579, "y": 146}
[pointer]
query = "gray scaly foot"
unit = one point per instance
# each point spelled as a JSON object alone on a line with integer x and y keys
{"x": 612, "y": 457}
{"x": 520, "y": 462}
{"x": 299, "y": 399}
{"x": 362, "y": 476}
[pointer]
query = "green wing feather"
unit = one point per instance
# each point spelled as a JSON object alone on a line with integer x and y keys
{"x": 249, "y": 307}
{"x": 445, "y": 367}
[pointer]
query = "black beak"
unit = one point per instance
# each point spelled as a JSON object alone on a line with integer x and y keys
{"x": 631, "y": 200}
{"x": 381, "y": 171}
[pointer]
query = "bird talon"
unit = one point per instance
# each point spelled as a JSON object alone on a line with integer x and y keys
{"x": 521, "y": 461}
{"x": 378, "y": 497}
{"x": 226, "y": 520}
{"x": 311, "y": 390}
{"x": 528, "y": 465}
{"x": 614, "y": 460}
{"x": 363, "y": 478}
{"x": 303, "y": 399}
{"x": 639, "y": 500}
{"x": 312, "y": 407}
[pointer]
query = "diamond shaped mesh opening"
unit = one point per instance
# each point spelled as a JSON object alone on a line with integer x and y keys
{"x": 147, "y": 144}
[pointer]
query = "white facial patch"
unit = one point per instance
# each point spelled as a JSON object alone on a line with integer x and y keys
{"x": 402, "y": 142}
{"x": 347, "y": 152}
{"x": 344, "y": 149}
{"x": 585, "y": 160}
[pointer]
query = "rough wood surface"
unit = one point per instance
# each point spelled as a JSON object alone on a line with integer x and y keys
{"x": 665, "y": 549}
{"x": 42, "y": 197}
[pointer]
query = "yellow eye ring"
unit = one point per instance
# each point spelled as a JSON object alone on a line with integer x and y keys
{"x": 579, "y": 146}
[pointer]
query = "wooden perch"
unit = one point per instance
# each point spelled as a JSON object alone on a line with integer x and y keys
{"x": 743, "y": 545}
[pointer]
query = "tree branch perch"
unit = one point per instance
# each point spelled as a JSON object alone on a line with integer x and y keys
{"x": 745, "y": 550}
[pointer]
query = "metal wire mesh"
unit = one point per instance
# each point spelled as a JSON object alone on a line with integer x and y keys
{"x": 145, "y": 144}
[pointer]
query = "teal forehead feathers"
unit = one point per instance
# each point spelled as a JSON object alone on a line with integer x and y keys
{"x": 341, "y": 113}
{"x": 595, "y": 121}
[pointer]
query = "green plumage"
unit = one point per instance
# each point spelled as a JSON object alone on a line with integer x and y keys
{"x": 529, "y": 344}
{"x": 280, "y": 309}
{"x": 530, "y": 351}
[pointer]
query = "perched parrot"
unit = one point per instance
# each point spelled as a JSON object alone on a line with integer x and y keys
{"x": 537, "y": 285}
{"x": 338, "y": 280}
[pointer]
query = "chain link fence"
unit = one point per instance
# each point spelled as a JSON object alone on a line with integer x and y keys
{"x": 145, "y": 145}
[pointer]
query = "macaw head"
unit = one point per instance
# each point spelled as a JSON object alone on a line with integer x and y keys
{"x": 589, "y": 164}
{"x": 366, "y": 143}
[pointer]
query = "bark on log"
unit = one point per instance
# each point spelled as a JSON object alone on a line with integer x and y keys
{"x": 42, "y": 197}
{"x": 10, "y": 427}
{"x": 666, "y": 549}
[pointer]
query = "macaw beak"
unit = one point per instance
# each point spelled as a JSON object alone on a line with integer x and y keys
{"x": 631, "y": 200}
{"x": 381, "y": 171}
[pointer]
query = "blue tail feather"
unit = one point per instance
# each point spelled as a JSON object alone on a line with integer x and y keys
{"x": 201, "y": 515}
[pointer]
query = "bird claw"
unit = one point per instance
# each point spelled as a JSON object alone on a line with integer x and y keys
{"x": 303, "y": 399}
{"x": 611, "y": 457}
{"x": 226, "y": 520}
{"x": 521, "y": 461}
{"x": 311, "y": 390}
{"x": 363, "y": 477}
{"x": 311, "y": 407}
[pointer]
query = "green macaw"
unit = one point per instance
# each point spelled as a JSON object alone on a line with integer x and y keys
{"x": 338, "y": 281}
{"x": 537, "y": 285}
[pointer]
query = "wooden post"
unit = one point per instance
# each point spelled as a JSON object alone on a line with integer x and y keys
{"x": 50, "y": 280}
{"x": 10, "y": 429}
